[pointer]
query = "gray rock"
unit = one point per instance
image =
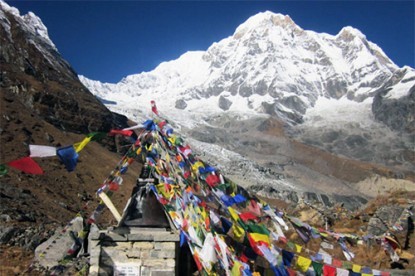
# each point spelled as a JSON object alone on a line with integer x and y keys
{"x": 181, "y": 104}
{"x": 398, "y": 114}
{"x": 295, "y": 103}
{"x": 49, "y": 253}
{"x": 5, "y": 217}
{"x": 6, "y": 233}
{"x": 384, "y": 218}
{"x": 224, "y": 103}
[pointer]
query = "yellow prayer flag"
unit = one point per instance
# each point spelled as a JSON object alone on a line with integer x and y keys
{"x": 260, "y": 237}
{"x": 325, "y": 235}
{"x": 233, "y": 213}
{"x": 203, "y": 213}
{"x": 162, "y": 189}
{"x": 298, "y": 248}
{"x": 79, "y": 146}
{"x": 236, "y": 269}
{"x": 197, "y": 165}
{"x": 172, "y": 139}
{"x": 356, "y": 268}
{"x": 238, "y": 232}
{"x": 303, "y": 263}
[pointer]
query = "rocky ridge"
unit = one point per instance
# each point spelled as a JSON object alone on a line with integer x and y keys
{"x": 42, "y": 102}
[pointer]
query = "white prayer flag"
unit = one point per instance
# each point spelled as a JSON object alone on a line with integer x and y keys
{"x": 42, "y": 151}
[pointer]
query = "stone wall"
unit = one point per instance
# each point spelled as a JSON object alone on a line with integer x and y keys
{"x": 134, "y": 251}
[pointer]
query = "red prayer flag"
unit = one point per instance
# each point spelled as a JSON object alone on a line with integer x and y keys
{"x": 337, "y": 263}
{"x": 329, "y": 270}
{"x": 254, "y": 245}
{"x": 212, "y": 180}
{"x": 291, "y": 272}
{"x": 254, "y": 208}
{"x": 244, "y": 258}
{"x": 27, "y": 165}
{"x": 162, "y": 124}
{"x": 121, "y": 132}
{"x": 248, "y": 216}
{"x": 154, "y": 108}
{"x": 197, "y": 261}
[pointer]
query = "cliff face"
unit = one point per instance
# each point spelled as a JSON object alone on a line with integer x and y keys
{"x": 397, "y": 112}
{"x": 35, "y": 74}
{"x": 42, "y": 102}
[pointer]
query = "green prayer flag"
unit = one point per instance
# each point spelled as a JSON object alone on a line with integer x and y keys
{"x": 3, "y": 170}
{"x": 96, "y": 136}
{"x": 347, "y": 265}
{"x": 257, "y": 228}
{"x": 318, "y": 268}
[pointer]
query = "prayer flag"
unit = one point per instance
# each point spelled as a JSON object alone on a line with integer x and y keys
{"x": 298, "y": 248}
{"x": 238, "y": 232}
{"x": 336, "y": 263}
{"x": 208, "y": 254}
{"x": 258, "y": 228}
{"x": 268, "y": 254}
{"x": 356, "y": 268}
{"x": 239, "y": 198}
{"x": 154, "y": 107}
{"x": 228, "y": 200}
{"x": 248, "y": 216}
{"x": 149, "y": 125}
{"x": 68, "y": 156}
{"x": 342, "y": 272}
{"x": 182, "y": 238}
{"x": 236, "y": 269}
{"x": 96, "y": 136}
{"x": 256, "y": 237}
{"x": 303, "y": 263}
{"x": 121, "y": 132}
{"x": 3, "y": 170}
{"x": 26, "y": 165}
{"x": 212, "y": 180}
{"x": 287, "y": 257}
{"x": 329, "y": 270}
{"x": 42, "y": 151}
{"x": 79, "y": 146}
{"x": 207, "y": 169}
{"x": 318, "y": 268}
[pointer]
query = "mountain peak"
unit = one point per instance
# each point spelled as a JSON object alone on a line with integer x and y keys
{"x": 32, "y": 22}
{"x": 348, "y": 33}
{"x": 265, "y": 20}
{"x": 5, "y": 7}
{"x": 39, "y": 28}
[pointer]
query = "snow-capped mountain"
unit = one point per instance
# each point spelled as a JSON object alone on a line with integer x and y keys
{"x": 269, "y": 65}
{"x": 336, "y": 92}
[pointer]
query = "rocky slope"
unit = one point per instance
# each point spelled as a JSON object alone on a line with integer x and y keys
{"x": 33, "y": 71}
{"x": 42, "y": 102}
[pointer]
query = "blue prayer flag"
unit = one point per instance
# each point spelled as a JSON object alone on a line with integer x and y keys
{"x": 68, "y": 156}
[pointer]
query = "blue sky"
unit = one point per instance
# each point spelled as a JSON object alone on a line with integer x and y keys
{"x": 108, "y": 40}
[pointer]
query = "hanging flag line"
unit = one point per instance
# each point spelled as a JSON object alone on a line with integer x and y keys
{"x": 222, "y": 224}
{"x": 110, "y": 185}
{"x": 68, "y": 155}
{"x": 200, "y": 192}
{"x": 219, "y": 220}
